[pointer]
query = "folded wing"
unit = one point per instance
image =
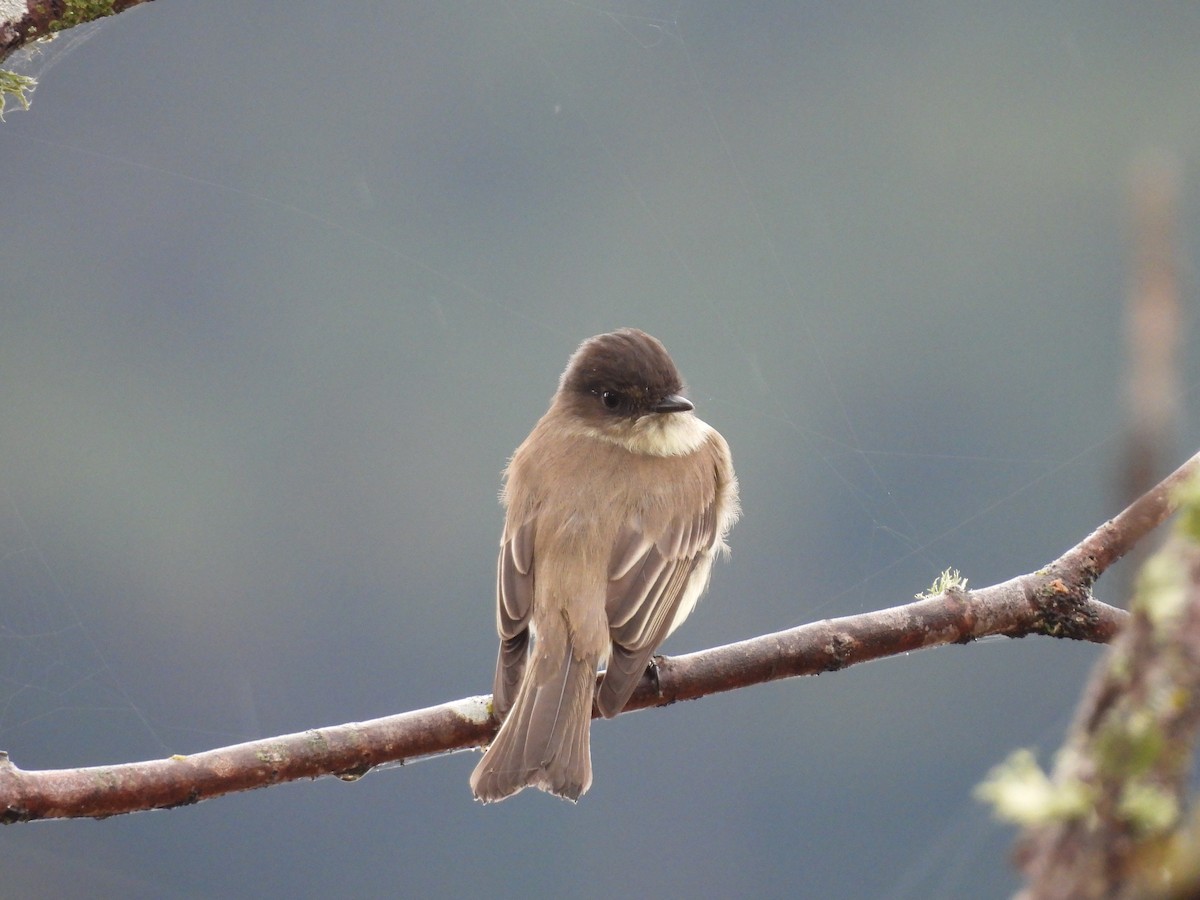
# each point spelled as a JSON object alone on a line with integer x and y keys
{"x": 655, "y": 580}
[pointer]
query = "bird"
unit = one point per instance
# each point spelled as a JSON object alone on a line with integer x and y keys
{"x": 616, "y": 505}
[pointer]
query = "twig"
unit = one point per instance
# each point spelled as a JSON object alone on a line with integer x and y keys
{"x": 1054, "y": 601}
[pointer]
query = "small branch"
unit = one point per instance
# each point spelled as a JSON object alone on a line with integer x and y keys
{"x": 23, "y": 22}
{"x": 1054, "y": 601}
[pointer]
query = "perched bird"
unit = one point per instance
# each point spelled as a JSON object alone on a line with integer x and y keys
{"x": 617, "y": 503}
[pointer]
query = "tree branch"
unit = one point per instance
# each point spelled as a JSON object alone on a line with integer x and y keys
{"x": 24, "y": 22}
{"x": 1109, "y": 821}
{"x": 1054, "y": 601}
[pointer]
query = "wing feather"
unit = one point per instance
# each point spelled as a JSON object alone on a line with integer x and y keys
{"x": 514, "y": 605}
{"x": 653, "y": 578}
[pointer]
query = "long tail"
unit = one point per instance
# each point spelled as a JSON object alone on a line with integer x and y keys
{"x": 545, "y": 739}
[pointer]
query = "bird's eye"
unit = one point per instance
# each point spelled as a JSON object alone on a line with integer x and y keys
{"x": 611, "y": 399}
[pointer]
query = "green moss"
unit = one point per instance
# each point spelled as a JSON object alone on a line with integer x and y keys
{"x": 76, "y": 12}
{"x": 1020, "y": 792}
{"x": 1148, "y": 808}
{"x": 16, "y": 86}
{"x": 949, "y": 580}
{"x": 1161, "y": 590}
{"x": 1187, "y": 495}
{"x": 1131, "y": 746}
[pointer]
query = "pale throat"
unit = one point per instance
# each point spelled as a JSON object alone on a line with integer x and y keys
{"x": 669, "y": 434}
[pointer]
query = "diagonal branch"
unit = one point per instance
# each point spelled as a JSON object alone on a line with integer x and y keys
{"x": 25, "y": 21}
{"x": 1054, "y": 601}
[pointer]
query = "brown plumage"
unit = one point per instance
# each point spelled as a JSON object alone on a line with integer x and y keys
{"x": 617, "y": 503}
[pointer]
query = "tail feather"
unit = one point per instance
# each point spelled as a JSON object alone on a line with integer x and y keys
{"x": 545, "y": 739}
{"x": 510, "y": 667}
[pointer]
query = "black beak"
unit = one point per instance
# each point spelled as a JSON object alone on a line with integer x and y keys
{"x": 674, "y": 403}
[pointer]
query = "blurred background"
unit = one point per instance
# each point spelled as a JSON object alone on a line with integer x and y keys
{"x": 282, "y": 286}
